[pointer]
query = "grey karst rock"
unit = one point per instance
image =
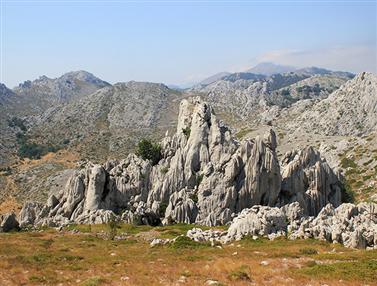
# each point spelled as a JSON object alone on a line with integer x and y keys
{"x": 354, "y": 226}
{"x": 98, "y": 216}
{"x": 261, "y": 179}
{"x": 293, "y": 212}
{"x": 8, "y": 222}
{"x": 140, "y": 214}
{"x": 197, "y": 234}
{"x": 308, "y": 179}
{"x": 29, "y": 213}
{"x": 181, "y": 208}
{"x": 95, "y": 189}
{"x": 160, "y": 241}
{"x": 204, "y": 176}
{"x": 258, "y": 220}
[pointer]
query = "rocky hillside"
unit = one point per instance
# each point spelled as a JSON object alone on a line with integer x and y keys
{"x": 243, "y": 95}
{"x": 351, "y": 110}
{"x": 33, "y": 98}
{"x": 45, "y": 92}
{"x": 110, "y": 121}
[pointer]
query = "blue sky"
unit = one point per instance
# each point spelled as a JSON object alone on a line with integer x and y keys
{"x": 182, "y": 41}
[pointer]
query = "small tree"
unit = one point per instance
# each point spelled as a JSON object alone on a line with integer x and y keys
{"x": 113, "y": 226}
{"x": 162, "y": 209}
{"x": 149, "y": 150}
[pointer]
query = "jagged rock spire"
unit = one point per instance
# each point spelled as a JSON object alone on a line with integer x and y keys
{"x": 205, "y": 176}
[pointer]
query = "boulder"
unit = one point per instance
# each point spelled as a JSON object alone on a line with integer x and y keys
{"x": 259, "y": 221}
{"x": 29, "y": 213}
{"x": 8, "y": 222}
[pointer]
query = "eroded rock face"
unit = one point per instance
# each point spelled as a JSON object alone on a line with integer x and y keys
{"x": 355, "y": 226}
{"x": 309, "y": 180}
{"x": 8, "y": 222}
{"x": 205, "y": 176}
{"x": 258, "y": 220}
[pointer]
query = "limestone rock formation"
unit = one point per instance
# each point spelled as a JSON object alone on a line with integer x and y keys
{"x": 204, "y": 176}
{"x": 258, "y": 220}
{"x": 8, "y": 222}
{"x": 355, "y": 226}
{"x": 308, "y": 179}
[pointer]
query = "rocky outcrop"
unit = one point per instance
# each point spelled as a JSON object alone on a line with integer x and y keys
{"x": 355, "y": 226}
{"x": 309, "y": 180}
{"x": 29, "y": 214}
{"x": 204, "y": 176}
{"x": 8, "y": 222}
{"x": 259, "y": 221}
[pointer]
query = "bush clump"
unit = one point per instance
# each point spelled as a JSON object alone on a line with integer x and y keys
{"x": 34, "y": 150}
{"x": 348, "y": 195}
{"x": 183, "y": 242}
{"x": 162, "y": 209}
{"x": 240, "y": 273}
{"x": 186, "y": 131}
{"x": 149, "y": 150}
{"x": 199, "y": 179}
{"x": 308, "y": 251}
{"x": 348, "y": 163}
{"x": 17, "y": 122}
{"x": 113, "y": 226}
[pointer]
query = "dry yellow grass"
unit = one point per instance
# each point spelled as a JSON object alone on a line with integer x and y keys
{"x": 9, "y": 205}
{"x": 65, "y": 258}
{"x": 64, "y": 157}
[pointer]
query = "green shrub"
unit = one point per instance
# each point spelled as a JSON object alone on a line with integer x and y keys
{"x": 186, "y": 131}
{"x": 194, "y": 197}
{"x": 162, "y": 209}
{"x": 285, "y": 92}
{"x": 149, "y": 150}
{"x": 113, "y": 226}
{"x": 183, "y": 242}
{"x": 21, "y": 138}
{"x": 308, "y": 251}
{"x": 240, "y": 274}
{"x": 17, "y": 122}
{"x": 199, "y": 179}
{"x": 34, "y": 150}
{"x": 348, "y": 195}
{"x": 348, "y": 163}
{"x": 164, "y": 170}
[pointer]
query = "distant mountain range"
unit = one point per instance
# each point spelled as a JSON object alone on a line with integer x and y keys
{"x": 267, "y": 69}
{"x": 270, "y": 69}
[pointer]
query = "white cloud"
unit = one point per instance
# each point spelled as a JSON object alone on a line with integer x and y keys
{"x": 350, "y": 58}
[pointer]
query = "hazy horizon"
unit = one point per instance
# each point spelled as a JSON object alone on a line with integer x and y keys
{"x": 182, "y": 42}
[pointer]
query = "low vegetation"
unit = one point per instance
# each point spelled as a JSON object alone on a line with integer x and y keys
{"x": 17, "y": 122}
{"x": 89, "y": 258}
{"x": 149, "y": 150}
{"x": 32, "y": 150}
{"x": 186, "y": 131}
